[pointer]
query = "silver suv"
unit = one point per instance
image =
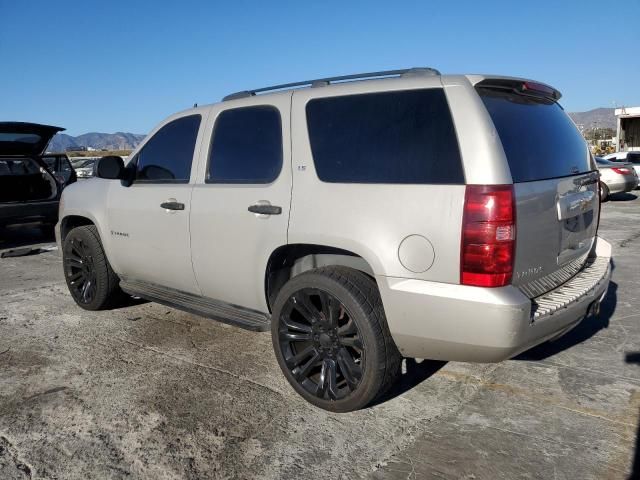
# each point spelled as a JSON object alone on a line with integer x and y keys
{"x": 361, "y": 219}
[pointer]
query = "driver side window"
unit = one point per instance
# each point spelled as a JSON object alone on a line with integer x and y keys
{"x": 167, "y": 156}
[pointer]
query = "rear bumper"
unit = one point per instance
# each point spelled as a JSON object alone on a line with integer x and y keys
{"x": 455, "y": 322}
{"x": 14, "y": 213}
{"x": 623, "y": 186}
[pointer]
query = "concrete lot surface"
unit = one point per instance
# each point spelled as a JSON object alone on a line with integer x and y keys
{"x": 150, "y": 392}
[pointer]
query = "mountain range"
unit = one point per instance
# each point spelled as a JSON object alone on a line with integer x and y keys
{"x": 599, "y": 117}
{"x": 109, "y": 141}
{"x": 596, "y": 118}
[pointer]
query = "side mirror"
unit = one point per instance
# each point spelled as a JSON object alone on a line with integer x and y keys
{"x": 110, "y": 167}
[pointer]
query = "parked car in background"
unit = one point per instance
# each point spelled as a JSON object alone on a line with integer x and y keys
{"x": 29, "y": 188}
{"x": 361, "y": 219}
{"x": 615, "y": 177}
{"x": 60, "y": 166}
{"x": 85, "y": 168}
{"x": 630, "y": 157}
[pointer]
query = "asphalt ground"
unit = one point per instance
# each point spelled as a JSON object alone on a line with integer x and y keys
{"x": 150, "y": 392}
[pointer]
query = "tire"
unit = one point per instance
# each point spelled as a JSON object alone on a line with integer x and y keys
{"x": 331, "y": 339}
{"x": 604, "y": 193}
{"x": 91, "y": 281}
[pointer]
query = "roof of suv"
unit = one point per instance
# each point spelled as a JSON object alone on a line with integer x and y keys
{"x": 497, "y": 81}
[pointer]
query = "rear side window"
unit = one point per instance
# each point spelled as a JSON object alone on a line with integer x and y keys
{"x": 538, "y": 137}
{"x": 391, "y": 137}
{"x": 167, "y": 156}
{"x": 246, "y": 146}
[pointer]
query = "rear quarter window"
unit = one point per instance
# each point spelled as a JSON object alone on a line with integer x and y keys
{"x": 404, "y": 137}
{"x": 538, "y": 137}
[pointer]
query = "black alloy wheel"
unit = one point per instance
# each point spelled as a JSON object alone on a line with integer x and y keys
{"x": 92, "y": 282}
{"x": 331, "y": 338}
{"x": 80, "y": 271}
{"x": 321, "y": 344}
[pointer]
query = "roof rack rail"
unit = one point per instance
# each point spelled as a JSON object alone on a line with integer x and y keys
{"x": 326, "y": 81}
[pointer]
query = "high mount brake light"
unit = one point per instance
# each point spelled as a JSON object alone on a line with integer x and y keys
{"x": 522, "y": 87}
{"x": 487, "y": 251}
{"x": 538, "y": 88}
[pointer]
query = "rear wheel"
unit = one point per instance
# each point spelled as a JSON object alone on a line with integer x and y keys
{"x": 331, "y": 339}
{"x": 92, "y": 282}
{"x": 604, "y": 192}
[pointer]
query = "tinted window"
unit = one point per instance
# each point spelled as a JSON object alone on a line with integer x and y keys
{"x": 167, "y": 156}
{"x": 246, "y": 146}
{"x": 538, "y": 137}
{"x": 391, "y": 137}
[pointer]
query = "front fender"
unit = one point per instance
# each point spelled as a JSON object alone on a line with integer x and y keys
{"x": 88, "y": 199}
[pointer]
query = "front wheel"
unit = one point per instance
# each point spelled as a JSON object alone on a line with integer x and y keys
{"x": 331, "y": 339}
{"x": 90, "y": 279}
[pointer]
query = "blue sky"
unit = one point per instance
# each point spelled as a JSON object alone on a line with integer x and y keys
{"x": 124, "y": 65}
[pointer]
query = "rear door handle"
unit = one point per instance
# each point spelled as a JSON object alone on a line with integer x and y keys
{"x": 264, "y": 209}
{"x": 172, "y": 205}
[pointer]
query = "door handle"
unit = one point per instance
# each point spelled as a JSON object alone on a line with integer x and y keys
{"x": 172, "y": 205}
{"x": 265, "y": 209}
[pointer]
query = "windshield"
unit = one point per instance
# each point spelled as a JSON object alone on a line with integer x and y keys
{"x": 538, "y": 137}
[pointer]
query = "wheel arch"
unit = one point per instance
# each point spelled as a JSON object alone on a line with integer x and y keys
{"x": 78, "y": 218}
{"x": 70, "y": 222}
{"x": 290, "y": 260}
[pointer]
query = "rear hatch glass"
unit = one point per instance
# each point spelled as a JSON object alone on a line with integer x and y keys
{"x": 28, "y": 139}
{"x": 538, "y": 137}
{"x": 23, "y": 180}
{"x": 555, "y": 182}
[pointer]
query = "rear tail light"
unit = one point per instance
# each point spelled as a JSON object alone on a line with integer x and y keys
{"x": 488, "y": 236}
{"x": 621, "y": 170}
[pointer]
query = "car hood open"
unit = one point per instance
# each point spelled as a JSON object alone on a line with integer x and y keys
{"x": 25, "y": 139}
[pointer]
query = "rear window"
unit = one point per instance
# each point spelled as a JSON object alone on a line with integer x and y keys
{"x": 29, "y": 138}
{"x": 538, "y": 137}
{"x": 391, "y": 137}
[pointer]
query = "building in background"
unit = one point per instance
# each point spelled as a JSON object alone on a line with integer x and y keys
{"x": 628, "y": 129}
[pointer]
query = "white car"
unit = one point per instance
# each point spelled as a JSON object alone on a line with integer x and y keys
{"x": 86, "y": 168}
{"x": 629, "y": 157}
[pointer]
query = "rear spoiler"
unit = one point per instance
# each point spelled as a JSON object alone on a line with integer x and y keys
{"x": 521, "y": 87}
